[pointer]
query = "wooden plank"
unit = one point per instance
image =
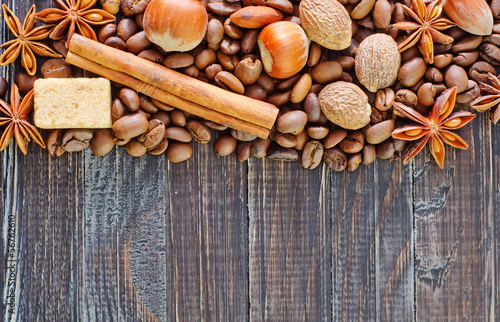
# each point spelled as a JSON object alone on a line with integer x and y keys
{"x": 290, "y": 240}
{"x": 495, "y": 133}
{"x": 394, "y": 241}
{"x": 125, "y": 238}
{"x": 207, "y": 235}
{"x": 352, "y": 197}
{"x": 453, "y": 220}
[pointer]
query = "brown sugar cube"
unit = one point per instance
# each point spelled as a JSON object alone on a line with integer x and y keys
{"x": 71, "y": 103}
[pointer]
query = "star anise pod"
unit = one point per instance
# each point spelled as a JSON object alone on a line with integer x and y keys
{"x": 74, "y": 16}
{"x": 491, "y": 100}
{"x": 435, "y": 128}
{"x": 426, "y": 28}
{"x": 16, "y": 121}
{"x": 26, "y": 43}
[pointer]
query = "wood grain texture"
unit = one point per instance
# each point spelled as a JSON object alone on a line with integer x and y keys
{"x": 495, "y": 315}
{"x": 125, "y": 238}
{"x": 352, "y": 200}
{"x": 453, "y": 242}
{"x": 207, "y": 231}
{"x": 289, "y": 242}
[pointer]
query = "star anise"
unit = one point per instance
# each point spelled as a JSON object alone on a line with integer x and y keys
{"x": 426, "y": 28}
{"x": 435, "y": 128}
{"x": 74, "y": 16}
{"x": 16, "y": 121}
{"x": 491, "y": 100}
{"x": 26, "y": 43}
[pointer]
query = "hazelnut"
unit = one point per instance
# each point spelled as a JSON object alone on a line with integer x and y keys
{"x": 377, "y": 62}
{"x": 284, "y": 48}
{"x": 326, "y": 22}
{"x": 345, "y": 105}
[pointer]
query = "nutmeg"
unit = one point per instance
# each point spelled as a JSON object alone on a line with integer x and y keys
{"x": 175, "y": 25}
{"x": 377, "y": 62}
{"x": 284, "y": 49}
{"x": 326, "y": 22}
{"x": 345, "y": 104}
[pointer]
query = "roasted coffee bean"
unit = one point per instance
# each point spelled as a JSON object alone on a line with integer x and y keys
{"x": 442, "y": 60}
{"x": 121, "y": 141}
{"x": 284, "y": 6}
{"x": 152, "y": 55}
{"x": 248, "y": 70}
{"x": 412, "y": 71}
{"x": 191, "y": 71}
{"x": 25, "y": 82}
{"x": 315, "y": 53}
{"x": 259, "y": 147}
{"x": 466, "y": 58}
{"x": 335, "y": 159}
{"x": 399, "y": 145}
{"x": 199, "y": 131}
{"x": 256, "y": 91}
{"x": 380, "y": 132}
{"x": 291, "y": 122}
{"x": 354, "y": 162}
{"x": 441, "y": 48}
{"x": 279, "y": 99}
{"x": 130, "y": 126}
{"x": 160, "y": 149}
{"x": 267, "y": 82}
{"x": 223, "y": 8}
{"x": 137, "y": 6}
{"x": 178, "y": 118}
{"x": 286, "y": 140}
{"x": 302, "y": 139}
{"x": 386, "y": 149}
{"x": 301, "y": 89}
{"x": 479, "y": 71}
{"x": 53, "y": 143}
{"x": 116, "y": 42}
{"x": 118, "y": 110}
{"x": 243, "y": 151}
{"x": 471, "y": 93}
{"x": 138, "y": 42}
{"x": 467, "y": 44}
{"x": 382, "y": 14}
{"x": 179, "y": 152}
{"x": 130, "y": 98}
{"x": 106, "y": 31}
{"x": 456, "y": 76}
{"x": 162, "y": 116}
{"x": 312, "y": 108}
{"x": 4, "y": 86}
{"x": 334, "y": 138}
{"x": 225, "y": 145}
{"x": 384, "y": 99}
{"x": 111, "y": 6}
{"x": 178, "y": 134}
{"x": 242, "y": 136}
{"x": 249, "y": 41}
{"x": 229, "y": 81}
{"x": 232, "y": 30}
{"x": 369, "y": 154}
{"x": 490, "y": 53}
{"x": 154, "y": 134}
{"x": 214, "y": 125}
{"x": 126, "y": 28}
{"x": 139, "y": 20}
{"x": 75, "y": 140}
{"x": 317, "y": 132}
{"x": 410, "y": 54}
{"x": 205, "y": 58}
{"x": 406, "y": 97}
{"x": 426, "y": 94}
{"x": 102, "y": 143}
{"x": 146, "y": 105}
{"x": 229, "y": 62}
{"x": 288, "y": 83}
{"x": 312, "y": 155}
{"x": 282, "y": 154}
{"x": 213, "y": 70}
{"x": 178, "y": 60}
{"x": 434, "y": 75}
{"x": 326, "y": 72}
{"x": 353, "y": 143}
{"x": 229, "y": 46}
{"x": 215, "y": 31}
{"x": 135, "y": 148}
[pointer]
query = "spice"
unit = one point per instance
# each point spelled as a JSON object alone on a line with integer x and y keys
{"x": 491, "y": 100}
{"x": 27, "y": 39}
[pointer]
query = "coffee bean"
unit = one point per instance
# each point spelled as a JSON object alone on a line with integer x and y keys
{"x": 380, "y": 132}
{"x": 160, "y": 149}
{"x": 456, "y": 76}
{"x": 138, "y": 42}
{"x": 199, "y": 131}
{"x": 466, "y": 59}
{"x": 229, "y": 81}
{"x": 225, "y": 145}
{"x": 286, "y": 140}
{"x": 469, "y": 43}
{"x": 102, "y": 143}
{"x": 334, "y": 138}
{"x": 118, "y": 109}
{"x": 53, "y": 143}
{"x": 214, "y": 125}
{"x": 315, "y": 52}
{"x": 116, "y": 42}
{"x": 243, "y": 151}
{"x": 312, "y": 155}
{"x": 154, "y": 134}
{"x": 232, "y": 30}
{"x": 335, "y": 159}
{"x": 354, "y": 162}
{"x": 178, "y": 60}
{"x": 75, "y": 140}
{"x": 248, "y": 70}
{"x": 152, "y": 55}
{"x": 215, "y": 31}
{"x": 259, "y": 147}
{"x": 205, "y": 58}
{"x": 442, "y": 60}
{"x": 312, "y": 108}
{"x": 179, "y": 152}
{"x": 106, "y": 31}
{"x": 4, "y": 86}
{"x": 386, "y": 149}
{"x": 162, "y": 106}
{"x": 162, "y": 116}
{"x": 288, "y": 83}
{"x": 178, "y": 134}
{"x": 412, "y": 71}
{"x": 249, "y": 41}
{"x": 282, "y": 154}
{"x": 479, "y": 71}
{"x": 25, "y": 82}
{"x": 279, "y": 99}
{"x": 56, "y": 68}
{"x": 472, "y": 92}
{"x": 291, "y": 122}
{"x": 434, "y": 75}
{"x": 130, "y": 98}
{"x": 130, "y": 126}
{"x": 406, "y": 97}
{"x": 318, "y": 132}
{"x": 326, "y": 72}
{"x": 178, "y": 118}
{"x": 353, "y": 143}
{"x": 301, "y": 89}
{"x": 302, "y": 139}
{"x": 242, "y": 136}
{"x": 229, "y": 46}
{"x": 135, "y": 148}
{"x": 126, "y": 28}
{"x": 229, "y": 62}
{"x": 369, "y": 154}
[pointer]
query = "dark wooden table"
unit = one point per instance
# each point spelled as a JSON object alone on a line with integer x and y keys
{"x": 121, "y": 238}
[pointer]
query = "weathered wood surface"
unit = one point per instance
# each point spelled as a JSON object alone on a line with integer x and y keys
{"x": 119, "y": 238}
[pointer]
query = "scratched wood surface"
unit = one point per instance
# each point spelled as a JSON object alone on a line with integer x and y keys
{"x": 140, "y": 239}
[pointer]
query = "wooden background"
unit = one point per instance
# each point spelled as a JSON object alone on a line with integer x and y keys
{"x": 120, "y": 238}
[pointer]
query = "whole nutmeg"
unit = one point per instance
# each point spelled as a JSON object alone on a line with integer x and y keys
{"x": 284, "y": 49}
{"x": 326, "y": 22}
{"x": 175, "y": 25}
{"x": 345, "y": 105}
{"x": 377, "y": 62}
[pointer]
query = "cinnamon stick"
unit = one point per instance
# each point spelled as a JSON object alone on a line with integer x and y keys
{"x": 215, "y": 98}
{"x": 165, "y": 96}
